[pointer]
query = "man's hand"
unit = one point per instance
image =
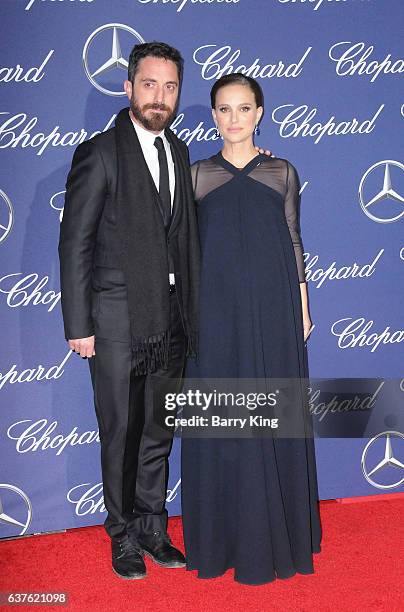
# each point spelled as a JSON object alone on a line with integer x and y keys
{"x": 83, "y": 346}
{"x": 265, "y": 151}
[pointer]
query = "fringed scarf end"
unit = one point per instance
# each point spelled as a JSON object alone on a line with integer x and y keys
{"x": 152, "y": 353}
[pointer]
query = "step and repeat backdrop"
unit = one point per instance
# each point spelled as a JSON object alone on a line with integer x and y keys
{"x": 332, "y": 75}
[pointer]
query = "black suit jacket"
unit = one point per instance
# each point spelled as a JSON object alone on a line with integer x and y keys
{"x": 88, "y": 235}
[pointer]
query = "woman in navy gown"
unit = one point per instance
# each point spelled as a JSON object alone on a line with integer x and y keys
{"x": 249, "y": 503}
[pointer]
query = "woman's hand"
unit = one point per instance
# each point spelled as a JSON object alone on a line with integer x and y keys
{"x": 307, "y": 327}
{"x": 307, "y": 324}
{"x": 265, "y": 151}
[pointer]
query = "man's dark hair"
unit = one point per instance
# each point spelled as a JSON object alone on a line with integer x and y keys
{"x": 154, "y": 49}
{"x": 237, "y": 78}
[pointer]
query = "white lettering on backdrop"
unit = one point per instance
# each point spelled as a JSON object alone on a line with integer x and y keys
{"x": 217, "y": 62}
{"x": 57, "y": 202}
{"x": 39, "y": 372}
{"x": 17, "y": 131}
{"x": 199, "y": 133}
{"x": 340, "y": 404}
{"x": 321, "y": 275}
{"x": 297, "y": 121}
{"x": 32, "y": 75}
{"x": 351, "y": 59}
{"x": 32, "y": 436}
{"x": 182, "y": 3}
{"x": 315, "y": 4}
{"x": 27, "y": 291}
{"x": 89, "y": 499}
{"x": 354, "y": 334}
{"x": 11, "y": 137}
{"x": 32, "y": 2}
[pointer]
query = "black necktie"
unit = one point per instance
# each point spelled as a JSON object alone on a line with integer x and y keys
{"x": 164, "y": 183}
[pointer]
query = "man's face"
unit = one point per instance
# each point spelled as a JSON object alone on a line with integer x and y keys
{"x": 153, "y": 94}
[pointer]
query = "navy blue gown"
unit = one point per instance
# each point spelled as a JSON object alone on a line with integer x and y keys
{"x": 250, "y": 504}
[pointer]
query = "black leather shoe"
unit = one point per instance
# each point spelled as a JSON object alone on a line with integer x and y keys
{"x": 158, "y": 546}
{"x": 127, "y": 559}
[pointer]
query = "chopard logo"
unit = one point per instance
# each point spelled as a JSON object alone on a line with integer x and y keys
{"x": 338, "y": 404}
{"x": 182, "y": 3}
{"x": 315, "y": 4}
{"x": 215, "y": 62}
{"x": 89, "y": 499}
{"x": 32, "y": 75}
{"x": 198, "y": 133}
{"x": 352, "y": 59}
{"x": 322, "y": 275}
{"x": 39, "y": 372}
{"x": 32, "y": 2}
{"x": 353, "y": 333}
{"x": 32, "y": 436}
{"x": 18, "y": 130}
{"x": 27, "y": 291}
{"x": 297, "y": 121}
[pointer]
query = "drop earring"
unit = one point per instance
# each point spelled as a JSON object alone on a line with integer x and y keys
{"x": 257, "y": 131}
{"x": 217, "y": 133}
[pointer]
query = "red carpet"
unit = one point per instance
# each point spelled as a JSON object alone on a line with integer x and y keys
{"x": 360, "y": 568}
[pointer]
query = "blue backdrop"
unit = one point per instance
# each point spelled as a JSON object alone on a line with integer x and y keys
{"x": 330, "y": 71}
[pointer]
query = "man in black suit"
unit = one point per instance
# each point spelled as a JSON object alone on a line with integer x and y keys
{"x": 129, "y": 258}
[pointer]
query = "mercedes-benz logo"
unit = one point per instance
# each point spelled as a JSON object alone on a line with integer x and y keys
{"x": 387, "y": 459}
{"x": 19, "y": 516}
{"x": 6, "y": 216}
{"x": 386, "y": 193}
{"x": 115, "y": 60}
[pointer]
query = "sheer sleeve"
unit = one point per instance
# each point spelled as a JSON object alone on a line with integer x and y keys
{"x": 207, "y": 176}
{"x": 194, "y": 175}
{"x": 292, "y": 213}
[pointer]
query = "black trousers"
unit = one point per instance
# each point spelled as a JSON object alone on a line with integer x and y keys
{"x": 135, "y": 443}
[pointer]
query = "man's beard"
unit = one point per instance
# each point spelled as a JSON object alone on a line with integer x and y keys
{"x": 158, "y": 121}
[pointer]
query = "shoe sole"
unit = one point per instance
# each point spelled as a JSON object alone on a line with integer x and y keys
{"x": 174, "y": 565}
{"x": 137, "y": 577}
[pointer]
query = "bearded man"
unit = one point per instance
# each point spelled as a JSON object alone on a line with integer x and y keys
{"x": 129, "y": 261}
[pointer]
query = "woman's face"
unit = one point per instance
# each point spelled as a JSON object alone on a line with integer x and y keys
{"x": 236, "y": 113}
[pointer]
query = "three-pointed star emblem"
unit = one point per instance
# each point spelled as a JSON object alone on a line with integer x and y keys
{"x": 386, "y": 193}
{"x": 387, "y": 190}
{"x": 21, "y": 507}
{"x": 112, "y": 50}
{"x": 389, "y": 459}
{"x": 116, "y": 60}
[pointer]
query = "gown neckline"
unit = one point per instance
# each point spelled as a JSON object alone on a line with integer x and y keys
{"x": 255, "y": 161}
